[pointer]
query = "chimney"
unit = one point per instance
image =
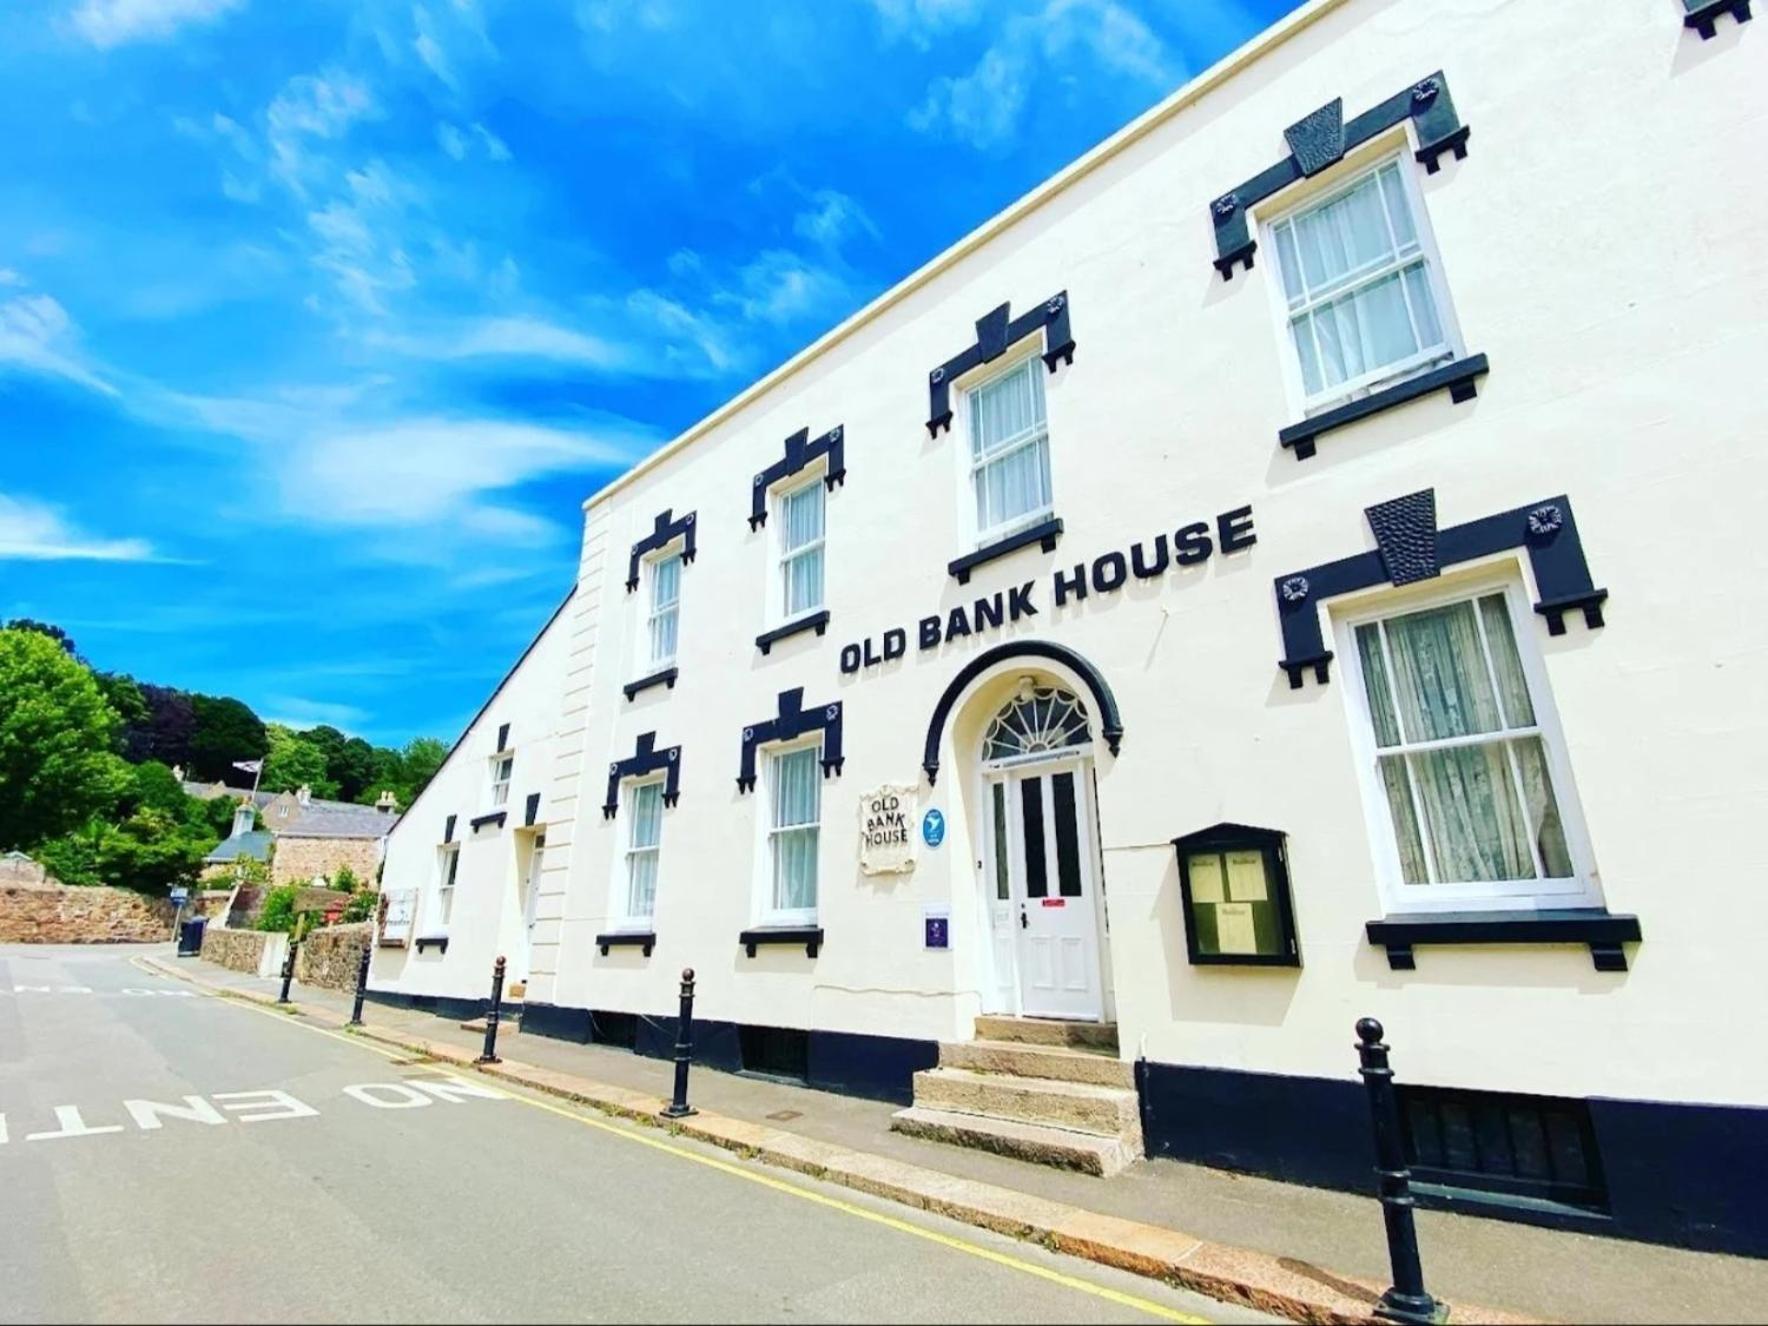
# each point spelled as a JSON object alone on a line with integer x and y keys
{"x": 303, "y": 794}
{"x": 386, "y": 803}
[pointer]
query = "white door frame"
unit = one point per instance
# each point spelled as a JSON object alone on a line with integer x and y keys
{"x": 530, "y": 897}
{"x": 1004, "y": 991}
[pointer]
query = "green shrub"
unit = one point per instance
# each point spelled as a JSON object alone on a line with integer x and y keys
{"x": 345, "y": 880}
{"x": 361, "y": 906}
{"x": 278, "y": 912}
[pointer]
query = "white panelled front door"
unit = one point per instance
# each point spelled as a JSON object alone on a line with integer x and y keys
{"x": 530, "y": 898}
{"x": 1043, "y": 891}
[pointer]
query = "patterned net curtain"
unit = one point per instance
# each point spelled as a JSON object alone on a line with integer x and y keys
{"x": 1037, "y": 721}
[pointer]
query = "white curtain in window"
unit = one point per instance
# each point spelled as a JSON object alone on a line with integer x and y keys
{"x": 801, "y": 519}
{"x": 1483, "y": 810}
{"x": 641, "y": 859}
{"x": 1008, "y": 447}
{"x": 665, "y": 591}
{"x": 797, "y": 792}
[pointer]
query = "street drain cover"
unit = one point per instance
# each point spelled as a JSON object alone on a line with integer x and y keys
{"x": 785, "y": 1116}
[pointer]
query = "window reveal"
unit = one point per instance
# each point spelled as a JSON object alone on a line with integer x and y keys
{"x": 643, "y": 849}
{"x": 663, "y": 621}
{"x": 794, "y": 832}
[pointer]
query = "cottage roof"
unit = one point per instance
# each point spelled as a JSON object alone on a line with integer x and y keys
{"x": 316, "y": 819}
{"x": 254, "y": 845}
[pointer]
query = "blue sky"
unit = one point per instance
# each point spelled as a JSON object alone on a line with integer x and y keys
{"x": 319, "y": 320}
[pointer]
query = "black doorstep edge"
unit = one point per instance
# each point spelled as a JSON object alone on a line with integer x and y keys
{"x": 1045, "y": 534}
{"x": 1604, "y": 932}
{"x": 1458, "y": 378}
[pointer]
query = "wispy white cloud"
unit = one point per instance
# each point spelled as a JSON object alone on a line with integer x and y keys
{"x": 309, "y": 110}
{"x": 37, "y": 532}
{"x": 107, "y": 23}
{"x": 37, "y": 336}
{"x": 832, "y": 218}
{"x": 300, "y": 713}
{"x": 428, "y": 45}
{"x": 459, "y": 143}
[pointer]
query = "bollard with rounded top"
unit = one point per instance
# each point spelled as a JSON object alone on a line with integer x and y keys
{"x": 492, "y": 1016}
{"x": 678, "y": 1107}
{"x": 288, "y": 970}
{"x": 1407, "y": 1300}
{"x": 362, "y": 982}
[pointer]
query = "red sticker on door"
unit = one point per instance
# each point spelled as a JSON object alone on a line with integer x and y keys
{"x": 1055, "y": 902}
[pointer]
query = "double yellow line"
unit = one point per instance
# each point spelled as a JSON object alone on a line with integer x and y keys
{"x": 630, "y": 1134}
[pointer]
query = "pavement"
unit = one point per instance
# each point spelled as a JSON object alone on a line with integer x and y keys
{"x": 168, "y": 1155}
{"x": 1304, "y": 1253}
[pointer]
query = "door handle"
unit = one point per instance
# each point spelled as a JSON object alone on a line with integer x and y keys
{"x": 1023, "y": 923}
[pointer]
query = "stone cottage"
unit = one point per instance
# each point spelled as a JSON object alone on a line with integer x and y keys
{"x": 312, "y": 837}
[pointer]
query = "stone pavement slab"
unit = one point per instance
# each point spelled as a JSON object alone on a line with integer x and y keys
{"x": 1294, "y": 1230}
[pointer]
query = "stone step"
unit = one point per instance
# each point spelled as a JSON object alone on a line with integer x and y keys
{"x": 1048, "y": 1031}
{"x": 1060, "y": 1147}
{"x": 1055, "y": 1062}
{"x": 1108, "y": 1111}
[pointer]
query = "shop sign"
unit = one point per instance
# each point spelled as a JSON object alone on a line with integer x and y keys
{"x": 886, "y": 836}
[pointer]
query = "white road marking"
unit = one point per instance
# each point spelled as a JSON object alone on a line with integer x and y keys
{"x": 456, "y": 1089}
{"x": 72, "y": 1125}
{"x": 270, "y": 1105}
{"x": 2, "y": 1130}
{"x": 404, "y": 1098}
{"x": 147, "y": 1113}
{"x": 132, "y": 991}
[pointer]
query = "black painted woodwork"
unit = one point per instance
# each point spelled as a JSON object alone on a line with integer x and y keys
{"x": 640, "y": 939}
{"x": 665, "y": 530}
{"x": 503, "y": 737}
{"x": 995, "y": 332}
{"x": 1044, "y": 534}
{"x": 801, "y": 452}
{"x": 532, "y": 811}
{"x": 1703, "y": 15}
{"x": 1320, "y": 140}
{"x": 1105, "y": 703}
{"x": 431, "y": 941}
{"x": 811, "y": 936}
{"x": 665, "y": 677}
{"x": 645, "y": 759}
{"x": 1271, "y": 845}
{"x": 817, "y": 621}
{"x": 1545, "y": 529}
{"x": 1459, "y": 378}
{"x": 496, "y": 817}
{"x": 792, "y": 720}
{"x": 1603, "y": 931}
{"x": 448, "y": 829}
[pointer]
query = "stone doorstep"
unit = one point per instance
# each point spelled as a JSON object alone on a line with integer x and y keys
{"x": 1079, "y": 1106}
{"x": 1279, "y": 1286}
{"x": 1048, "y": 1031}
{"x": 1051, "y": 1062}
{"x": 1100, "y": 1155}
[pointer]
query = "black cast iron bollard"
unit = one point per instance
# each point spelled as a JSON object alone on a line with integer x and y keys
{"x": 492, "y": 1016}
{"x": 678, "y": 1107}
{"x": 1407, "y": 1300}
{"x": 288, "y": 970}
{"x": 361, "y": 985}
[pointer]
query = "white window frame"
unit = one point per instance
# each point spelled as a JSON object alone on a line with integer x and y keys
{"x": 964, "y": 391}
{"x": 500, "y": 787}
{"x": 782, "y": 555}
{"x": 626, "y": 918}
{"x": 447, "y": 875}
{"x": 1584, "y": 888}
{"x": 1343, "y": 181}
{"x": 765, "y": 913}
{"x": 648, "y": 662}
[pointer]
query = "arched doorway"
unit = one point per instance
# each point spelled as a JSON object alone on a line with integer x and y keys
{"x": 1040, "y": 853}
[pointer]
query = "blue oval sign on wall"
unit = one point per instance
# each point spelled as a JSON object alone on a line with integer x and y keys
{"x": 933, "y": 828}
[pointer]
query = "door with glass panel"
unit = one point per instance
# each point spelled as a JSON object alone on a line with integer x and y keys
{"x": 1040, "y": 858}
{"x": 530, "y": 899}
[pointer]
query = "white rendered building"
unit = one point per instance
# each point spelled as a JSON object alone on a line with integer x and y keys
{"x": 1348, "y": 471}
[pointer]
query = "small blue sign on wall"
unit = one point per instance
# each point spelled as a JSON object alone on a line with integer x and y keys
{"x": 936, "y": 922}
{"x": 933, "y": 828}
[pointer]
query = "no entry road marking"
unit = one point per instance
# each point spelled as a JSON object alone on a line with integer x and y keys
{"x": 129, "y": 993}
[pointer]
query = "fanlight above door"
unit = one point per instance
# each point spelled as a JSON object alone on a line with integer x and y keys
{"x": 1038, "y": 720}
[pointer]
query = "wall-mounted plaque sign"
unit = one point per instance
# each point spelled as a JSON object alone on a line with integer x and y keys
{"x": 1234, "y": 886}
{"x": 936, "y": 926}
{"x": 398, "y": 910}
{"x": 886, "y": 830}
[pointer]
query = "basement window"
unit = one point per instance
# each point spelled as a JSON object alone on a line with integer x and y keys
{"x": 1525, "y": 1150}
{"x": 778, "y": 1052}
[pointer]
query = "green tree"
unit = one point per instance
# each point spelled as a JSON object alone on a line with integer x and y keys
{"x": 130, "y": 705}
{"x": 278, "y": 912}
{"x": 152, "y": 851}
{"x": 217, "y": 814}
{"x": 352, "y": 768}
{"x": 57, "y": 770}
{"x": 227, "y": 731}
{"x": 418, "y": 763}
{"x": 293, "y": 762}
{"x": 54, "y": 632}
{"x": 75, "y": 858}
{"x": 152, "y": 786}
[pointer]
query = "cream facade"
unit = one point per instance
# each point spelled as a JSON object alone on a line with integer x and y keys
{"x": 1419, "y": 533}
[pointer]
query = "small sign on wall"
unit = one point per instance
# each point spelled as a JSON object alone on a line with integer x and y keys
{"x": 886, "y": 835}
{"x": 399, "y": 910}
{"x": 936, "y": 926}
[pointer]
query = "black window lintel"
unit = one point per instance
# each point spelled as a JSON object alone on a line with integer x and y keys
{"x": 1045, "y": 534}
{"x": 1458, "y": 377}
{"x": 1603, "y": 931}
{"x": 811, "y": 936}
{"x": 1703, "y": 15}
{"x": 645, "y": 939}
{"x": 816, "y": 621}
{"x": 496, "y": 817}
{"x": 432, "y": 941}
{"x": 664, "y": 678}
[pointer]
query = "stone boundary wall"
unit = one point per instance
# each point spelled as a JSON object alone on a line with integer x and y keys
{"x": 60, "y": 915}
{"x": 257, "y": 951}
{"x": 329, "y": 957}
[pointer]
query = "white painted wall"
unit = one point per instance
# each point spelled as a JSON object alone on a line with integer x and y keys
{"x": 1602, "y": 245}
{"x": 486, "y": 919}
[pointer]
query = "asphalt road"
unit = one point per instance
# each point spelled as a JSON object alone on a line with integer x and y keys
{"x": 166, "y": 1155}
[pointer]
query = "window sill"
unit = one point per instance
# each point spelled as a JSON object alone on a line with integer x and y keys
{"x": 645, "y": 939}
{"x": 431, "y": 941}
{"x": 817, "y": 621}
{"x": 1603, "y": 931}
{"x": 1045, "y": 533}
{"x": 664, "y": 677}
{"x": 811, "y": 936}
{"x": 496, "y": 817}
{"x": 1458, "y": 377}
